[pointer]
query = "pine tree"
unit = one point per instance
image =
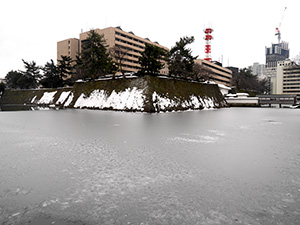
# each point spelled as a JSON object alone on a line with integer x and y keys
{"x": 95, "y": 59}
{"x": 152, "y": 59}
{"x": 181, "y": 61}
{"x": 31, "y": 74}
{"x": 51, "y": 77}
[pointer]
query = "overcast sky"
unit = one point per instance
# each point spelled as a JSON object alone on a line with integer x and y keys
{"x": 242, "y": 29}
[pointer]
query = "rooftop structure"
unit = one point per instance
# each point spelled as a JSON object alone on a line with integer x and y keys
{"x": 274, "y": 54}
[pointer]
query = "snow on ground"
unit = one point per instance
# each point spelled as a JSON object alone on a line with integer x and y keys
{"x": 47, "y": 98}
{"x": 128, "y": 99}
{"x": 63, "y": 97}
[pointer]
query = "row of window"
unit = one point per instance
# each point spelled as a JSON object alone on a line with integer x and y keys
{"x": 216, "y": 68}
{"x": 220, "y": 75}
{"x": 130, "y": 43}
{"x": 131, "y": 38}
{"x": 292, "y": 76}
{"x": 129, "y": 66}
{"x": 291, "y": 72}
{"x": 291, "y": 91}
{"x": 125, "y": 42}
{"x": 129, "y": 60}
{"x": 129, "y": 49}
{"x": 290, "y": 80}
{"x": 292, "y": 88}
{"x": 289, "y": 84}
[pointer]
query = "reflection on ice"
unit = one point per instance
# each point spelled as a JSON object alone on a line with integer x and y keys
{"x": 93, "y": 167}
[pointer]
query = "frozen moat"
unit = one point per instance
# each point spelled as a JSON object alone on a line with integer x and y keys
{"x": 226, "y": 166}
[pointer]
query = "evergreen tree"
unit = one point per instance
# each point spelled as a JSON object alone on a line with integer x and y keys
{"x": 246, "y": 81}
{"x": 181, "y": 61}
{"x": 65, "y": 67}
{"x": 12, "y": 78}
{"x": 152, "y": 59}
{"x": 95, "y": 60}
{"x": 31, "y": 74}
{"x": 51, "y": 77}
{"x": 2, "y": 87}
{"x": 17, "y": 80}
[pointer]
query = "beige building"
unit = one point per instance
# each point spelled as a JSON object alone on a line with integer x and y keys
{"x": 114, "y": 36}
{"x": 219, "y": 74}
{"x": 287, "y": 80}
{"x": 68, "y": 47}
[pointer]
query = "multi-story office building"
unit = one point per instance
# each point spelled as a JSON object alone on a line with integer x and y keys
{"x": 257, "y": 69}
{"x": 219, "y": 74}
{"x": 114, "y": 36}
{"x": 68, "y": 47}
{"x": 274, "y": 54}
{"x": 287, "y": 80}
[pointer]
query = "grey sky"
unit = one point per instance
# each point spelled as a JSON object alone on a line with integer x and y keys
{"x": 30, "y": 29}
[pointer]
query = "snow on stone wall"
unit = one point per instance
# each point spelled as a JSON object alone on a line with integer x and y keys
{"x": 63, "y": 96}
{"x": 69, "y": 100}
{"x": 195, "y": 102}
{"x": 131, "y": 98}
{"x": 47, "y": 98}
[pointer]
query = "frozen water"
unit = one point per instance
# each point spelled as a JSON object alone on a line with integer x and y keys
{"x": 228, "y": 166}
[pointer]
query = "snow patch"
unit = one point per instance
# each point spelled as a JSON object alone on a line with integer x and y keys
{"x": 129, "y": 99}
{"x": 47, "y": 98}
{"x": 194, "y": 102}
{"x": 69, "y": 100}
{"x": 63, "y": 97}
{"x": 33, "y": 99}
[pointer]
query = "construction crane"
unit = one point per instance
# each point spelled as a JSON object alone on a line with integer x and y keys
{"x": 277, "y": 28}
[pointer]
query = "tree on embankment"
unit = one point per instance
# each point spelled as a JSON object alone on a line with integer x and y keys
{"x": 245, "y": 81}
{"x": 181, "y": 61}
{"x": 152, "y": 60}
{"x": 29, "y": 78}
{"x": 94, "y": 60}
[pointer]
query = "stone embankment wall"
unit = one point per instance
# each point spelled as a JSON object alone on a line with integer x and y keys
{"x": 144, "y": 94}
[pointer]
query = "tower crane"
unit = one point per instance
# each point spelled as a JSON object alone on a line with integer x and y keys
{"x": 277, "y": 28}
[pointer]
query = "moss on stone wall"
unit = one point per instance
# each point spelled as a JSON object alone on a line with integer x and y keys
{"x": 173, "y": 89}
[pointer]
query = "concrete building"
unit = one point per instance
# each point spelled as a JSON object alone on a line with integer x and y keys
{"x": 274, "y": 54}
{"x": 219, "y": 74}
{"x": 287, "y": 80}
{"x": 257, "y": 69}
{"x": 114, "y": 36}
{"x": 68, "y": 47}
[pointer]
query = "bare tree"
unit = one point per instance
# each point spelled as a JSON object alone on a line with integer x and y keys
{"x": 296, "y": 59}
{"x": 201, "y": 73}
{"x": 118, "y": 54}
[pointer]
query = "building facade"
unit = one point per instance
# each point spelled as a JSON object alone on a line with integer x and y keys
{"x": 114, "y": 36}
{"x": 257, "y": 69}
{"x": 68, "y": 47}
{"x": 287, "y": 80}
{"x": 219, "y": 74}
{"x": 274, "y": 54}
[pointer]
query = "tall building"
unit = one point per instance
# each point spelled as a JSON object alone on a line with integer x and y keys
{"x": 219, "y": 74}
{"x": 257, "y": 69}
{"x": 114, "y": 36}
{"x": 274, "y": 54}
{"x": 287, "y": 80}
{"x": 68, "y": 47}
